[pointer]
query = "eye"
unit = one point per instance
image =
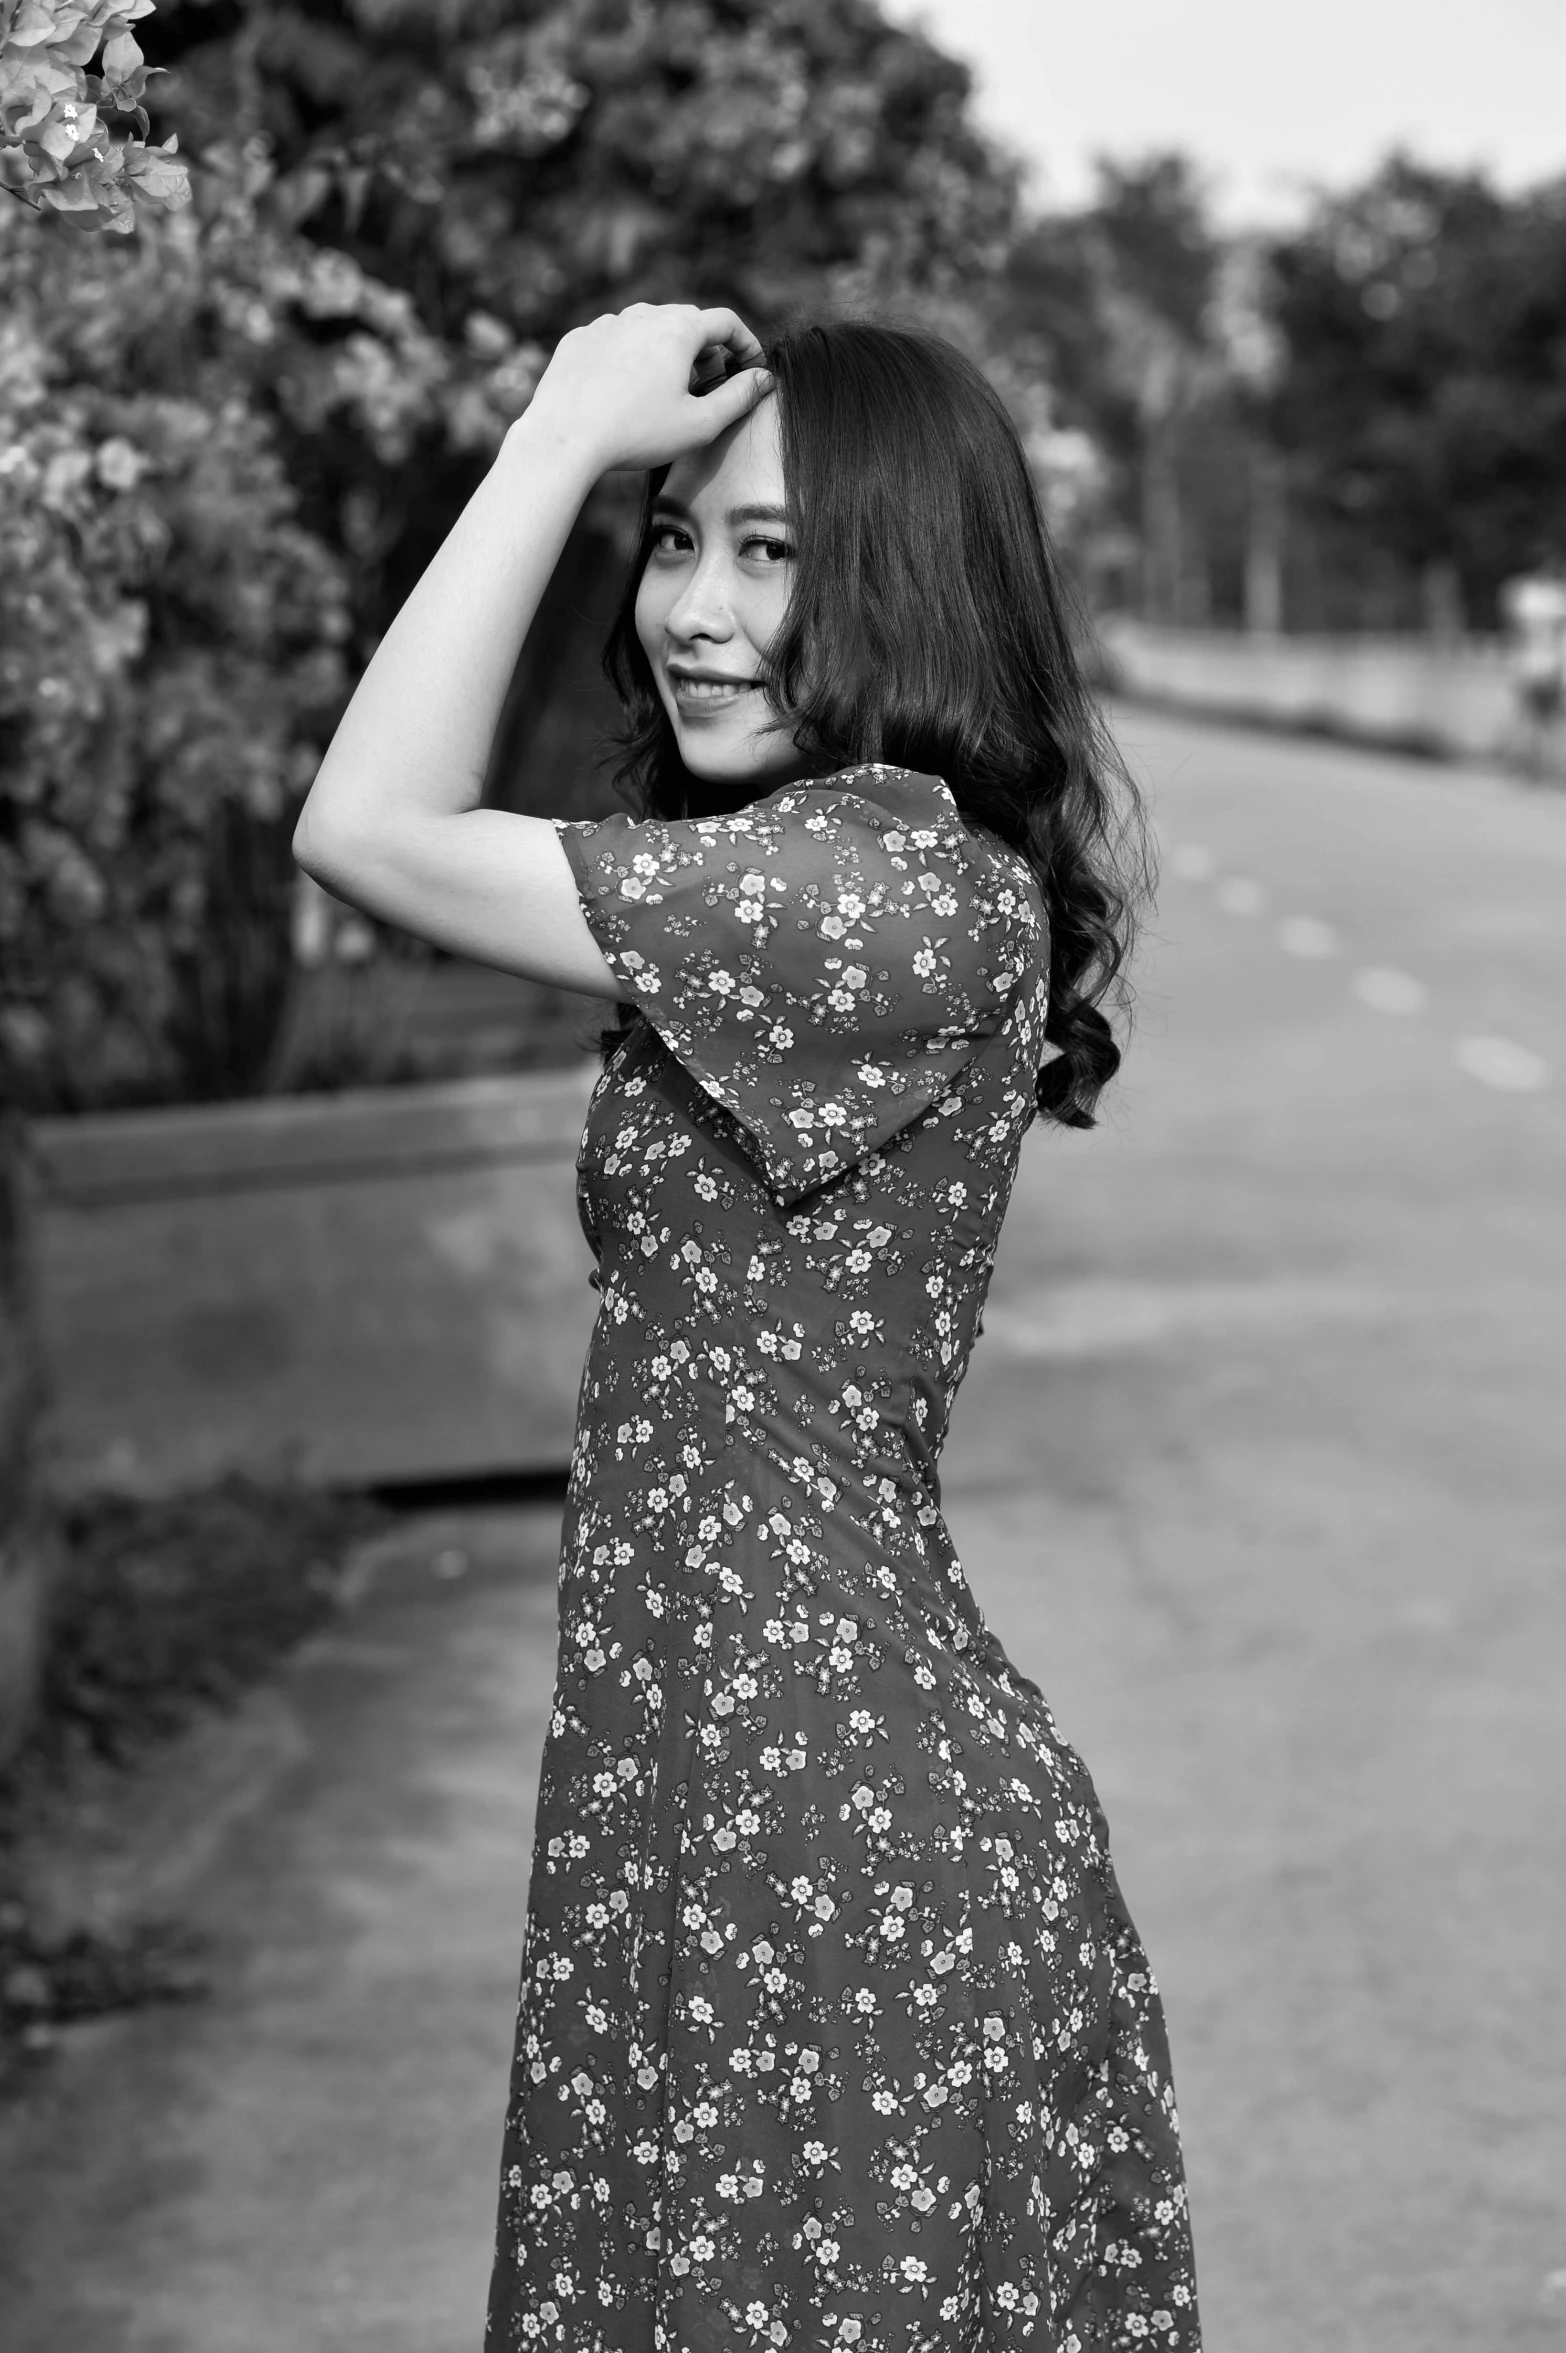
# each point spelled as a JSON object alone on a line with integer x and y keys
{"x": 669, "y": 539}
{"x": 768, "y": 551}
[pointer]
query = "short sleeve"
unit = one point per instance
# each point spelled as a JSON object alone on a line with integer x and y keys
{"x": 824, "y": 961}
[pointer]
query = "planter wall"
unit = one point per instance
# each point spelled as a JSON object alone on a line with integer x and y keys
{"x": 1459, "y": 700}
{"x": 389, "y": 1284}
{"x": 29, "y": 1553}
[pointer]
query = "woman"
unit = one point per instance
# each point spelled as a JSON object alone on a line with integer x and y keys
{"x": 834, "y": 2030}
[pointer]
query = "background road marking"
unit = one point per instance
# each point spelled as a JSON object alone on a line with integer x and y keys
{"x": 1303, "y": 935}
{"x": 1387, "y": 991}
{"x": 1238, "y": 895}
{"x": 1500, "y": 1062}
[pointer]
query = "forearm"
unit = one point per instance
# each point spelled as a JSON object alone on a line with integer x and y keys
{"x": 393, "y": 823}
{"x": 415, "y": 741}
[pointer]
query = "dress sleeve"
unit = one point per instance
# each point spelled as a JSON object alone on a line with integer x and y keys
{"x": 823, "y": 961}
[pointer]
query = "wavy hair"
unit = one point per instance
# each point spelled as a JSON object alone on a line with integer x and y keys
{"x": 929, "y": 626}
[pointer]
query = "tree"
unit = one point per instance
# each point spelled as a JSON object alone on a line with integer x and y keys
{"x": 171, "y": 661}
{"x": 1115, "y": 304}
{"x": 1423, "y": 399}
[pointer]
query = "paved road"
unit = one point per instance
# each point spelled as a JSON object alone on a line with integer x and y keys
{"x": 1270, "y": 1423}
{"x": 1257, "y": 1472}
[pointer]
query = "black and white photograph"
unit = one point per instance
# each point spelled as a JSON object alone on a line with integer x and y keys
{"x": 782, "y": 1177}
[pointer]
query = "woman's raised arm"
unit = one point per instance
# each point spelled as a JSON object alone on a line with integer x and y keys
{"x": 392, "y": 822}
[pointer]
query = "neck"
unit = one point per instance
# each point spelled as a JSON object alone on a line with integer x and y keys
{"x": 720, "y": 796}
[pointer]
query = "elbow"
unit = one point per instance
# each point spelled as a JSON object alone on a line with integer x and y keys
{"x": 320, "y": 852}
{"x": 302, "y": 848}
{"x": 306, "y": 842}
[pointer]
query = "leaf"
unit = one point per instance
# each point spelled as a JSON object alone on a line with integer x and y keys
{"x": 124, "y": 96}
{"x": 59, "y": 74}
{"x": 36, "y": 87}
{"x": 73, "y": 33}
{"x": 26, "y": 170}
{"x": 355, "y": 190}
{"x": 77, "y": 46}
{"x": 157, "y": 175}
{"x": 121, "y": 58}
{"x": 72, "y": 195}
{"x": 303, "y": 192}
{"x": 35, "y": 26}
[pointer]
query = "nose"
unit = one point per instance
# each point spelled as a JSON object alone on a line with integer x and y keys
{"x": 701, "y": 609}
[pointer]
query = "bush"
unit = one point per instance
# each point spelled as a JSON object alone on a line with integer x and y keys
{"x": 57, "y": 152}
{"x": 172, "y": 666}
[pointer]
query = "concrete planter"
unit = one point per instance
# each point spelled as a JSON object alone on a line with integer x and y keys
{"x": 387, "y": 1284}
{"x": 29, "y": 1550}
{"x": 1404, "y": 692}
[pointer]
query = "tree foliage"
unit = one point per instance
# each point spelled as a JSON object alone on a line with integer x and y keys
{"x": 1111, "y": 307}
{"x": 538, "y": 160}
{"x": 1382, "y": 391}
{"x": 514, "y": 168}
{"x": 1114, "y": 300}
{"x": 170, "y": 652}
{"x": 175, "y": 629}
{"x": 1423, "y": 397}
{"x": 233, "y": 440}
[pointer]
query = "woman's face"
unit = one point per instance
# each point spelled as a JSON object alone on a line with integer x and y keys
{"x": 712, "y": 598}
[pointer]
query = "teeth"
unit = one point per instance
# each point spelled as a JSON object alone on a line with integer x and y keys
{"x": 709, "y": 689}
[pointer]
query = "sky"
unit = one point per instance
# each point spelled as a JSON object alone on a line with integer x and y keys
{"x": 1271, "y": 98}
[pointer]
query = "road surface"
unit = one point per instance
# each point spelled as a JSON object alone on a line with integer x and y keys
{"x": 1258, "y": 1472}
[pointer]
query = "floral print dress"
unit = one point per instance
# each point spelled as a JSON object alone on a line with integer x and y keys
{"x": 834, "y": 2030}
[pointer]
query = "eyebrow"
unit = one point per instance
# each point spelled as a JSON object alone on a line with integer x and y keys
{"x": 663, "y": 505}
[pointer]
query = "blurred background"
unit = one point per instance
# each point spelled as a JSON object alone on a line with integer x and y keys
{"x": 1258, "y": 1468}
{"x": 1280, "y": 318}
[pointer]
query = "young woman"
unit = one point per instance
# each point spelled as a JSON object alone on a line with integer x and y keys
{"x": 834, "y": 2029}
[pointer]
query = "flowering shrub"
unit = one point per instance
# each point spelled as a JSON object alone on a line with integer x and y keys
{"x": 229, "y": 444}
{"x": 173, "y": 634}
{"x": 55, "y": 147}
{"x": 170, "y": 664}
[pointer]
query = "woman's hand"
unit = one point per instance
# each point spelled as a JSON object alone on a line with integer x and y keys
{"x": 620, "y": 391}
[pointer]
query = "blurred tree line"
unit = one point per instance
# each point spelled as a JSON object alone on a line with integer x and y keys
{"x": 1359, "y": 424}
{"x": 230, "y": 442}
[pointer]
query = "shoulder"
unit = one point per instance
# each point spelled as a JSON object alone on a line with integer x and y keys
{"x": 912, "y": 817}
{"x": 870, "y": 847}
{"x": 895, "y": 801}
{"x": 909, "y": 824}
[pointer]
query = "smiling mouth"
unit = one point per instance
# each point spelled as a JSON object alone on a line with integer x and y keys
{"x": 708, "y": 694}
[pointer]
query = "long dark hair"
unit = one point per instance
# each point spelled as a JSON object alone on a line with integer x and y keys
{"x": 929, "y": 626}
